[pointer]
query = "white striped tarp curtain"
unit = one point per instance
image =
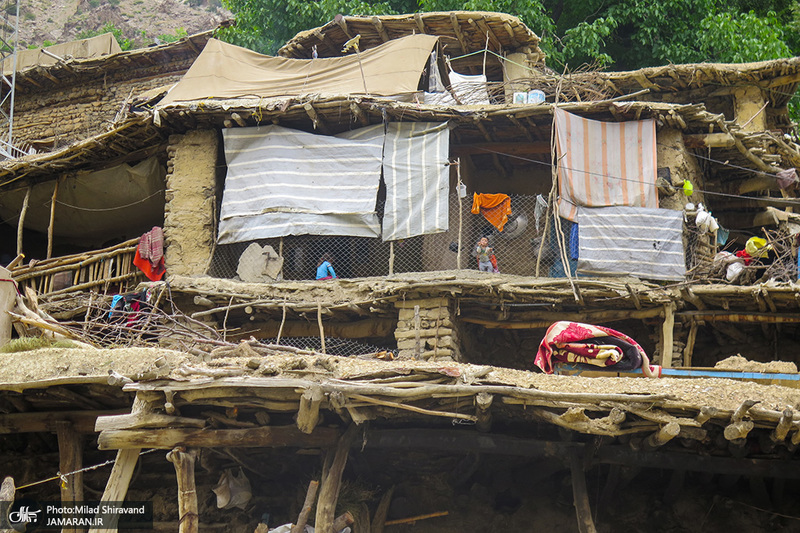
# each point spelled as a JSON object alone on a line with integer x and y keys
{"x": 605, "y": 163}
{"x": 288, "y": 182}
{"x": 416, "y": 172}
{"x": 631, "y": 241}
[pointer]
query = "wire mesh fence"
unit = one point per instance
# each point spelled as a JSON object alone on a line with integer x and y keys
{"x": 528, "y": 245}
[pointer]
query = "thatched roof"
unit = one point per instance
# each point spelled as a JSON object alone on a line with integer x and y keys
{"x": 461, "y": 32}
{"x": 180, "y": 53}
{"x": 699, "y": 81}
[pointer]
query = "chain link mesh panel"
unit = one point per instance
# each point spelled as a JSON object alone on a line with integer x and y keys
{"x": 333, "y": 346}
{"x": 527, "y": 246}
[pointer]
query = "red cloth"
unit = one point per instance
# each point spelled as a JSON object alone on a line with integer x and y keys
{"x": 495, "y": 208}
{"x": 151, "y": 246}
{"x": 744, "y": 255}
{"x": 153, "y": 273}
{"x": 563, "y": 342}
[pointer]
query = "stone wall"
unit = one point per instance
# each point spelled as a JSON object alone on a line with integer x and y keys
{"x": 427, "y": 329}
{"x": 56, "y": 117}
{"x": 189, "y": 231}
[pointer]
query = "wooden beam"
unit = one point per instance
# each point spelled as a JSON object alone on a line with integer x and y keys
{"x": 21, "y": 221}
{"x": 42, "y": 422}
{"x": 580, "y": 497}
{"x": 50, "y": 227}
{"x": 381, "y": 30}
{"x": 316, "y": 119}
{"x": 305, "y": 511}
{"x": 308, "y": 415}
{"x": 743, "y": 317}
{"x": 70, "y": 459}
{"x": 332, "y": 481}
{"x": 150, "y": 420}
{"x": 547, "y": 318}
{"x": 118, "y": 481}
{"x": 188, "y": 519}
{"x": 420, "y": 22}
{"x": 339, "y": 19}
{"x": 709, "y": 140}
{"x": 168, "y": 438}
{"x": 457, "y": 31}
{"x": 667, "y": 332}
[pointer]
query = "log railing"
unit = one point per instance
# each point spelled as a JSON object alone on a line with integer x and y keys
{"x": 96, "y": 270}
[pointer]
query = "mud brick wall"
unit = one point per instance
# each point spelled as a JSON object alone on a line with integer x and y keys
{"x": 61, "y": 115}
{"x": 427, "y": 329}
{"x": 190, "y": 202}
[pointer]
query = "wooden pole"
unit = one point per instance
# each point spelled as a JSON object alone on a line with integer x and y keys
{"x": 332, "y": 481}
{"x": 689, "y": 350}
{"x": 667, "y": 331}
{"x": 70, "y": 460}
{"x": 321, "y": 329}
{"x": 118, "y": 481}
{"x": 52, "y": 221}
{"x": 379, "y": 520}
{"x": 283, "y": 322}
{"x": 580, "y": 497}
{"x": 460, "y": 216}
{"x": 21, "y": 221}
{"x": 187, "y": 493}
{"x": 280, "y": 254}
{"x": 391, "y": 257}
{"x": 302, "y": 519}
{"x": 308, "y": 414}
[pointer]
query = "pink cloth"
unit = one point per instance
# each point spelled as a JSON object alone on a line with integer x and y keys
{"x": 151, "y": 246}
{"x": 563, "y": 342}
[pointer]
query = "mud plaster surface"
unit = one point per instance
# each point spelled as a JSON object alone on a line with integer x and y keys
{"x": 51, "y": 363}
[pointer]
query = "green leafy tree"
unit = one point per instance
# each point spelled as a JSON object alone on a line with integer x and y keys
{"x": 108, "y": 27}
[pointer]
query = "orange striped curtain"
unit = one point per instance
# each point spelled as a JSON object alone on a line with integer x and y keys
{"x": 605, "y": 163}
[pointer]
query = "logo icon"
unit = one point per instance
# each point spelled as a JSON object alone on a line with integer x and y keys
{"x": 25, "y": 515}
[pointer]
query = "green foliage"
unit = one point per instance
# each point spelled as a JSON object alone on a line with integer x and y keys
{"x": 108, "y": 27}
{"x": 744, "y": 37}
{"x": 29, "y": 16}
{"x": 172, "y": 37}
{"x": 265, "y": 25}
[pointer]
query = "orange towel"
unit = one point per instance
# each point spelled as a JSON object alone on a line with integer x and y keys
{"x": 495, "y": 208}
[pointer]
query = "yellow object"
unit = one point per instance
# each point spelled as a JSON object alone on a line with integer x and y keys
{"x": 757, "y": 247}
{"x": 688, "y": 188}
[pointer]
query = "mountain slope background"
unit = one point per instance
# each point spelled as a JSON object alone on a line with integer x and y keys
{"x": 142, "y": 22}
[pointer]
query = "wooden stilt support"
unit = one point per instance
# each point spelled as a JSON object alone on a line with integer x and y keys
{"x": 332, "y": 481}
{"x": 70, "y": 453}
{"x": 580, "y": 497}
{"x": 379, "y": 520}
{"x": 308, "y": 414}
{"x": 302, "y": 519}
{"x": 52, "y": 222}
{"x": 187, "y": 494}
{"x": 118, "y": 481}
{"x": 784, "y": 424}
{"x": 483, "y": 403}
{"x": 391, "y": 257}
{"x": 667, "y": 331}
{"x": 321, "y": 329}
{"x": 21, "y": 221}
{"x": 689, "y": 349}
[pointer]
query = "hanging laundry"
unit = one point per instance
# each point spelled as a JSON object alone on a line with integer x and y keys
{"x": 151, "y": 245}
{"x": 495, "y": 208}
{"x": 605, "y": 163}
{"x": 149, "y": 257}
{"x": 786, "y": 178}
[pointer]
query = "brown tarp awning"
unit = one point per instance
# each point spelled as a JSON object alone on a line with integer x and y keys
{"x": 226, "y": 71}
{"x": 100, "y": 45}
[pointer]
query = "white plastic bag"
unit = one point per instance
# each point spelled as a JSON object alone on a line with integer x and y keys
{"x": 233, "y": 489}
